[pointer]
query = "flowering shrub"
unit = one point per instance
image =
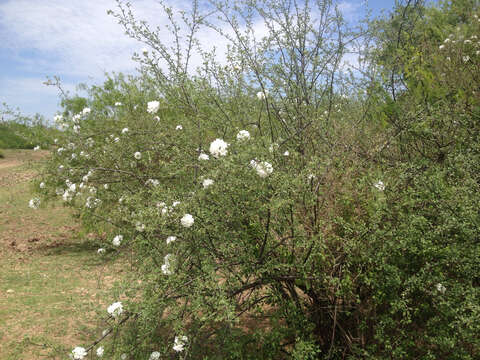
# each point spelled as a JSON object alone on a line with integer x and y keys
{"x": 268, "y": 225}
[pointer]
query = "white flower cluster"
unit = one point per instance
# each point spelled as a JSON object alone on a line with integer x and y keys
{"x": 139, "y": 226}
{"x": 154, "y": 356}
{"x": 167, "y": 266}
{"x": 165, "y": 209}
{"x": 171, "y": 239}
{"x": 153, "y": 106}
{"x": 36, "y": 148}
{"x": 218, "y": 147}
{"x": 243, "y": 135}
{"x": 263, "y": 168}
{"x": 179, "y": 343}
{"x": 207, "y": 182}
{"x": 117, "y": 240}
{"x": 379, "y": 185}
{"x": 92, "y": 202}
{"x": 100, "y": 351}
{"x": 262, "y": 95}
{"x": 203, "y": 156}
{"x": 78, "y": 353}
{"x": 440, "y": 288}
{"x": 187, "y": 220}
{"x": 116, "y": 309}
{"x": 34, "y": 203}
{"x": 153, "y": 182}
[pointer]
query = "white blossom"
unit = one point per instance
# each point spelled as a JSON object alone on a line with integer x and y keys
{"x": 286, "y": 153}
{"x": 36, "y": 148}
{"x": 154, "y": 356}
{"x": 100, "y": 351}
{"x": 263, "y": 168}
{"x": 153, "y": 106}
{"x": 179, "y": 343}
{"x": 42, "y": 185}
{"x": 243, "y": 135}
{"x": 466, "y": 58}
{"x": 79, "y": 353}
{"x": 273, "y": 147}
{"x": 218, "y": 147}
{"x": 57, "y": 118}
{"x": 167, "y": 267}
{"x": 156, "y": 118}
{"x": 101, "y": 251}
{"x": 379, "y": 185}
{"x": 262, "y": 95}
{"x": 117, "y": 240}
{"x": 440, "y": 288}
{"x": 68, "y": 195}
{"x": 34, "y": 203}
{"x": 171, "y": 239}
{"x": 187, "y": 220}
{"x": 139, "y": 226}
{"x": 144, "y": 51}
{"x": 105, "y": 186}
{"x": 207, "y": 182}
{"x": 441, "y": 47}
{"x": 92, "y": 202}
{"x": 118, "y": 103}
{"x": 60, "y": 150}
{"x": 123, "y": 357}
{"x": 203, "y": 156}
{"x": 138, "y": 155}
{"x": 124, "y": 130}
{"x": 86, "y": 111}
{"x": 179, "y": 127}
{"x": 116, "y": 309}
{"x": 153, "y": 182}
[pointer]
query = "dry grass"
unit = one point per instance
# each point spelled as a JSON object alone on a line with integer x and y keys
{"x": 52, "y": 282}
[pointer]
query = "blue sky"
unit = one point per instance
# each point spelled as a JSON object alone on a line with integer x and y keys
{"x": 79, "y": 42}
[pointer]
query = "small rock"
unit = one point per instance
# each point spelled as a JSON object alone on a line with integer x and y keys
{"x": 9, "y": 291}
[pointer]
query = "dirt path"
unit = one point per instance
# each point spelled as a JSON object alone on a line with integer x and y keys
{"x": 54, "y": 288}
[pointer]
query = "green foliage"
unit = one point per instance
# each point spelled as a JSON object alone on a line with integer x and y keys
{"x": 21, "y": 132}
{"x": 9, "y": 138}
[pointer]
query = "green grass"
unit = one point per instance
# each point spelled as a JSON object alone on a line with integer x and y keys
{"x": 54, "y": 288}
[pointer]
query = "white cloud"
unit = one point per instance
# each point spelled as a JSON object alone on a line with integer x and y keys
{"x": 30, "y": 95}
{"x": 77, "y": 37}
{"x": 350, "y": 9}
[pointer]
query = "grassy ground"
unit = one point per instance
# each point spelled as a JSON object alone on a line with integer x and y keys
{"x": 52, "y": 282}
